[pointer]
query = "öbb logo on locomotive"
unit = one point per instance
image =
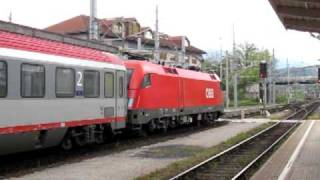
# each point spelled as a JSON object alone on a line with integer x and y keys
{"x": 209, "y": 93}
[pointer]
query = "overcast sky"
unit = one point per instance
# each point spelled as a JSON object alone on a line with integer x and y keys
{"x": 207, "y": 23}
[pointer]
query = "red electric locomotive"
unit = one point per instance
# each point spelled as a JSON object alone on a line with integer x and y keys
{"x": 162, "y": 97}
{"x": 54, "y": 93}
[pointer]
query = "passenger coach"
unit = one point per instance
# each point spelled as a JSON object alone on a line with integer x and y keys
{"x": 53, "y": 93}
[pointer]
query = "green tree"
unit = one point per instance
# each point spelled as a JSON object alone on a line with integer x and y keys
{"x": 248, "y": 57}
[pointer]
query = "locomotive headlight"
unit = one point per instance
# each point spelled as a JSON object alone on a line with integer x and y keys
{"x": 130, "y": 102}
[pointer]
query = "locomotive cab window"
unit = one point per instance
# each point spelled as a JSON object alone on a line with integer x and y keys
{"x": 146, "y": 80}
{"x": 129, "y": 76}
{"x": 65, "y": 82}
{"x": 91, "y": 84}
{"x": 32, "y": 80}
{"x": 3, "y": 79}
{"x": 108, "y": 85}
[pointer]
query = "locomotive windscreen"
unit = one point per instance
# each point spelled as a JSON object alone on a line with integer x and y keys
{"x": 129, "y": 76}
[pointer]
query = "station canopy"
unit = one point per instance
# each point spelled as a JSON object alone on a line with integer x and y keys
{"x": 301, "y": 15}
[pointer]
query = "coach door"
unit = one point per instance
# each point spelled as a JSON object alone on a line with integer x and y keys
{"x": 121, "y": 99}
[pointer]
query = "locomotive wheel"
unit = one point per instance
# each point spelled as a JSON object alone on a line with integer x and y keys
{"x": 165, "y": 126}
{"x": 66, "y": 143}
{"x": 151, "y": 127}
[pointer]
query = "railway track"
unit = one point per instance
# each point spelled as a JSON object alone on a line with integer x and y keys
{"x": 304, "y": 112}
{"x": 23, "y": 163}
{"x": 239, "y": 161}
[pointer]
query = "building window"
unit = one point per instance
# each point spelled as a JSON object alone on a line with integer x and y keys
{"x": 91, "y": 84}
{"x": 121, "y": 87}
{"x": 65, "y": 82}
{"x": 32, "y": 80}
{"x": 108, "y": 85}
{"x": 3, "y": 79}
{"x": 163, "y": 56}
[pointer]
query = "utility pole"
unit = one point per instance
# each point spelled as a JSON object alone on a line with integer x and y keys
{"x": 273, "y": 78}
{"x": 157, "y": 39}
{"x": 93, "y": 27}
{"x": 227, "y": 80}
{"x": 270, "y": 80}
{"x": 288, "y": 82}
{"x": 221, "y": 60}
{"x": 264, "y": 93}
{"x": 10, "y": 17}
{"x": 235, "y": 77}
{"x": 183, "y": 50}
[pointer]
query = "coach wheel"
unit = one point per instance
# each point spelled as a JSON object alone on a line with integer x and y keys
{"x": 99, "y": 138}
{"x": 67, "y": 143}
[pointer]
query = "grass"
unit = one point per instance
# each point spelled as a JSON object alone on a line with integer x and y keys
{"x": 314, "y": 116}
{"x": 246, "y": 102}
{"x": 181, "y": 165}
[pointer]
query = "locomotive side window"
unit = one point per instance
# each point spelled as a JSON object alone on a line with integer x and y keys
{"x": 108, "y": 85}
{"x": 65, "y": 82}
{"x": 3, "y": 79}
{"x": 121, "y": 87}
{"x": 146, "y": 81}
{"x": 32, "y": 80}
{"x": 91, "y": 84}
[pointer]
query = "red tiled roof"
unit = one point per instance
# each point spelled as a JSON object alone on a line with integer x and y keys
{"x": 176, "y": 40}
{"x": 74, "y": 25}
{"x": 79, "y": 24}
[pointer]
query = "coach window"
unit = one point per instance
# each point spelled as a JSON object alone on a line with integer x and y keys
{"x": 65, "y": 82}
{"x": 146, "y": 81}
{"x": 32, "y": 80}
{"x": 91, "y": 84}
{"x": 121, "y": 87}
{"x": 3, "y": 79}
{"x": 108, "y": 85}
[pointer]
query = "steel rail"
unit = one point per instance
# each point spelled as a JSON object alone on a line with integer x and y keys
{"x": 180, "y": 175}
{"x": 252, "y": 163}
{"x": 305, "y": 111}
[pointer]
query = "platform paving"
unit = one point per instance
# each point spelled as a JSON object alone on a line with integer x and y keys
{"x": 136, "y": 162}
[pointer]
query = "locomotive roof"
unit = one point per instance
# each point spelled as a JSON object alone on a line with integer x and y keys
{"x": 37, "y": 45}
{"x": 148, "y": 67}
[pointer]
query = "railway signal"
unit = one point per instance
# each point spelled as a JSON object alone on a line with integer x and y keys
{"x": 318, "y": 75}
{"x": 263, "y": 70}
{"x": 263, "y": 74}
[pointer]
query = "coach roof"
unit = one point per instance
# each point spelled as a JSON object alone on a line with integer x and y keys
{"x": 32, "y": 44}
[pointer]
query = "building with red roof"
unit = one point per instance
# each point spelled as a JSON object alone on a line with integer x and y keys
{"x": 128, "y": 34}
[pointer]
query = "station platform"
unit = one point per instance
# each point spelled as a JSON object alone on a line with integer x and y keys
{"x": 298, "y": 158}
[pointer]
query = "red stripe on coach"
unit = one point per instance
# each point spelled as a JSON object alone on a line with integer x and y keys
{"x": 55, "y": 125}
